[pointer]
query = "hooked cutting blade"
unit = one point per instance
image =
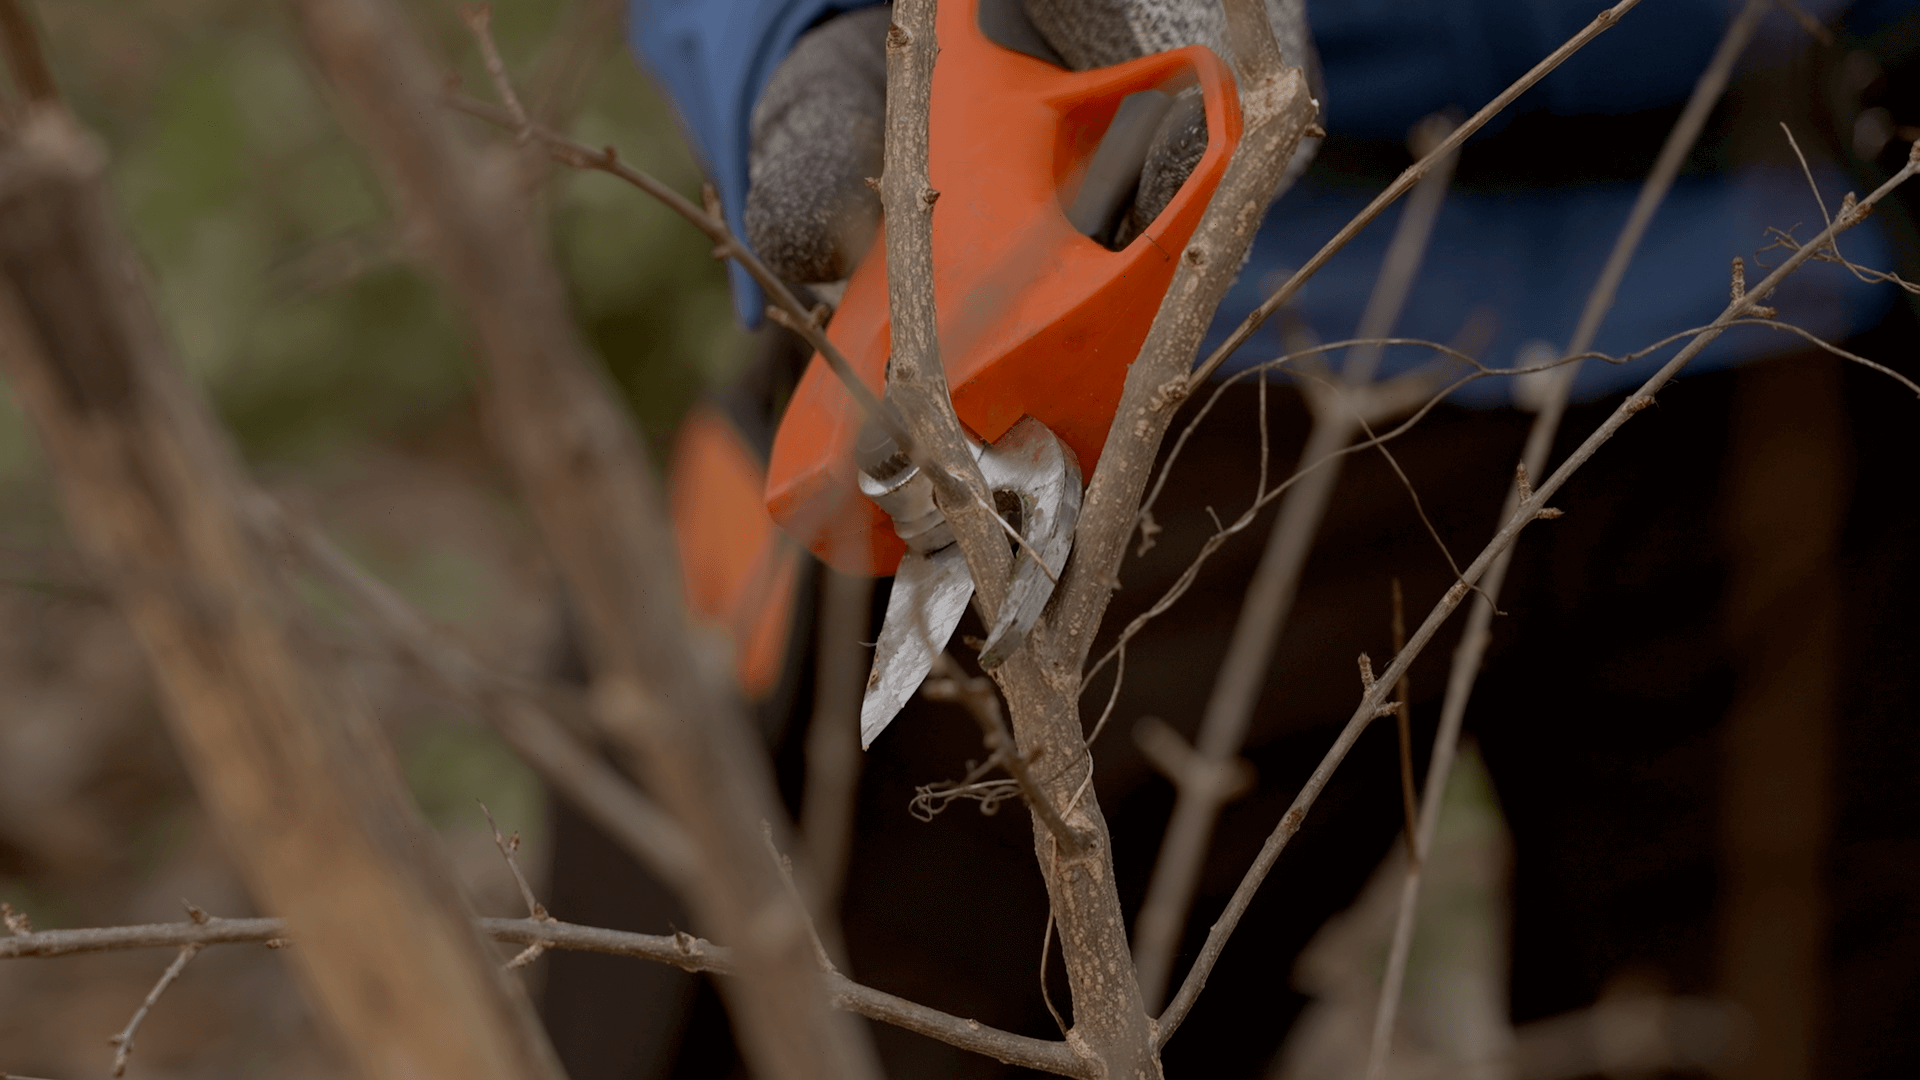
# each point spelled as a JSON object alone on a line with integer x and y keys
{"x": 1033, "y": 465}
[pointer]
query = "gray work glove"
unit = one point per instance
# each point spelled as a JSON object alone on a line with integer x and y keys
{"x": 817, "y": 130}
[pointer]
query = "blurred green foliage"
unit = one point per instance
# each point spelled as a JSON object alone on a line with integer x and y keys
{"x": 280, "y": 270}
{"x": 279, "y": 267}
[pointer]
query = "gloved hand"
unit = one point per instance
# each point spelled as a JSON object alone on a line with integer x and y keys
{"x": 818, "y": 128}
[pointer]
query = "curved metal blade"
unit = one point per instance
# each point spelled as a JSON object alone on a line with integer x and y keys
{"x": 930, "y": 593}
{"x": 1031, "y": 463}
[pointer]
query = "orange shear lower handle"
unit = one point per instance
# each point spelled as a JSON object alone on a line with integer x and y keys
{"x": 740, "y": 572}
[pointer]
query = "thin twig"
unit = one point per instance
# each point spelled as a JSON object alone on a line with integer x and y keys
{"x": 508, "y": 847}
{"x": 123, "y": 1042}
{"x": 793, "y": 315}
{"x": 1470, "y": 652}
{"x": 950, "y": 682}
{"x": 535, "y": 909}
{"x": 1403, "y": 714}
{"x": 1400, "y": 186}
{"x": 785, "y": 866}
{"x": 683, "y": 951}
{"x": 1270, "y": 596}
{"x": 479, "y": 20}
{"x": 1523, "y": 516}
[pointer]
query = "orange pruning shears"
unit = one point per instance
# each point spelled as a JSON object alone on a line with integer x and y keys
{"x": 1038, "y": 323}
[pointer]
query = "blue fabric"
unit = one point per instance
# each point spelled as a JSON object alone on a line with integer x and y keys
{"x": 713, "y": 57}
{"x": 1529, "y": 257}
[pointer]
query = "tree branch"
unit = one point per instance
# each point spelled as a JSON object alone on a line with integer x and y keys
{"x": 683, "y": 951}
{"x": 916, "y": 376}
{"x": 786, "y": 310}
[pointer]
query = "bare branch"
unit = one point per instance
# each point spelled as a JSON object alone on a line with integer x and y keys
{"x": 785, "y": 866}
{"x": 788, "y": 311}
{"x": 479, "y": 20}
{"x": 683, "y": 951}
{"x": 916, "y": 375}
{"x": 123, "y": 1043}
{"x": 535, "y": 910}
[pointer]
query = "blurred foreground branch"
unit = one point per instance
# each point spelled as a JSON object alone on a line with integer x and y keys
{"x": 554, "y": 420}
{"x": 291, "y": 769}
{"x": 683, "y": 951}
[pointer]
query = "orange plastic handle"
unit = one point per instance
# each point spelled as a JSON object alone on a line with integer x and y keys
{"x": 1035, "y": 319}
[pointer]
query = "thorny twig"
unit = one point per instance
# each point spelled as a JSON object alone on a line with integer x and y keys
{"x": 123, "y": 1043}
{"x": 785, "y": 866}
{"x": 1524, "y": 514}
{"x": 683, "y": 951}
{"x": 787, "y": 311}
{"x": 535, "y": 909}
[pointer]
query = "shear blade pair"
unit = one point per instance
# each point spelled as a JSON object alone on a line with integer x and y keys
{"x": 931, "y": 589}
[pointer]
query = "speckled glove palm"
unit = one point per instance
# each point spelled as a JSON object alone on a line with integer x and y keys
{"x": 817, "y": 129}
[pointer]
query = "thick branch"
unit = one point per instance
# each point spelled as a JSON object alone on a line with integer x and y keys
{"x": 681, "y": 950}
{"x": 296, "y": 776}
{"x": 1276, "y": 112}
{"x": 555, "y": 421}
{"x": 916, "y": 377}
